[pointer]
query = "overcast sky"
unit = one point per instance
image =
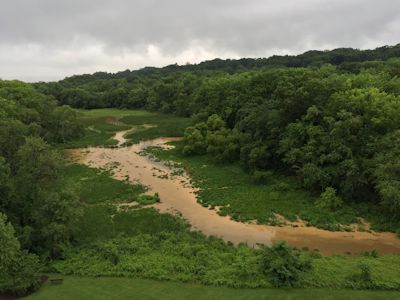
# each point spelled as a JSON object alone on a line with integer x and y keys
{"x": 51, "y": 39}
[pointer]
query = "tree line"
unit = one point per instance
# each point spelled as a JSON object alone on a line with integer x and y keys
{"x": 132, "y": 89}
{"x": 329, "y": 118}
{"x": 37, "y": 212}
{"x": 333, "y": 126}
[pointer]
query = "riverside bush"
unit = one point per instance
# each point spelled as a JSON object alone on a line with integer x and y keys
{"x": 283, "y": 264}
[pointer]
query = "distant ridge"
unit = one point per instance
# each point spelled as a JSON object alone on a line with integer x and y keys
{"x": 307, "y": 59}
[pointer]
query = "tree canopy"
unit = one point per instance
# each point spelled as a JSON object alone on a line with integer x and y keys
{"x": 36, "y": 211}
{"x": 326, "y": 117}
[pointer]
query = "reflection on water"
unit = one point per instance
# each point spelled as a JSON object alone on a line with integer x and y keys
{"x": 177, "y": 195}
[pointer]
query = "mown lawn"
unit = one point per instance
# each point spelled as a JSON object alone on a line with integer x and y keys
{"x": 86, "y": 288}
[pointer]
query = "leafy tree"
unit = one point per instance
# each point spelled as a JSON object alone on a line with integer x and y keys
{"x": 77, "y": 97}
{"x": 215, "y": 123}
{"x": 49, "y": 210}
{"x": 195, "y": 140}
{"x": 322, "y": 115}
{"x": 223, "y": 144}
{"x": 283, "y": 264}
{"x": 5, "y": 184}
{"x": 38, "y": 167}
{"x": 55, "y": 220}
{"x": 19, "y": 270}
{"x": 63, "y": 125}
{"x": 214, "y": 138}
{"x": 387, "y": 172}
{"x": 333, "y": 146}
{"x": 12, "y": 136}
{"x": 329, "y": 200}
{"x": 136, "y": 98}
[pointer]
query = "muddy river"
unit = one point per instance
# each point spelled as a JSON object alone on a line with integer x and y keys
{"x": 177, "y": 195}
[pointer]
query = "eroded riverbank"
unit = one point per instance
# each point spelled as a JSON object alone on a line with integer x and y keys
{"x": 178, "y": 195}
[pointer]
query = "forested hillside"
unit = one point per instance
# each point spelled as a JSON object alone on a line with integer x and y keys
{"x": 318, "y": 130}
{"x": 199, "y": 150}
{"x": 330, "y": 118}
{"x": 37, "y": 211}
{"x": 174, "y": 85}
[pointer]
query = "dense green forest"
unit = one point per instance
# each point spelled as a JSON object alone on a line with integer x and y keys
{"x": 328, "y": 120}
{"x": 36, "y": 210}
{"x": 328, "y": 117}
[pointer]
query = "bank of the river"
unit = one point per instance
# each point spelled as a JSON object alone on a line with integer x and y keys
{"x": 177, "y": 194}
{"x": 119, "y": 240}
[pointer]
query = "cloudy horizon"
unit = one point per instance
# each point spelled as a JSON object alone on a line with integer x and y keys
{"x": 42, "y": 40}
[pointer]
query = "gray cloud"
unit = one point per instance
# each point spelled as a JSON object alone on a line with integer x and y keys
{"x": 47, "y": 39}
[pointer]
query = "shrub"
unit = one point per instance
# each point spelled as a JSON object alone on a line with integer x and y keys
{"x": 362, "y": 280}
{"x": 214, "y": 138}
{"x": 148, "y": 199}
{"x": 281, "y": 187}
{"x": 329, "y": 200}
{"x": 374, "y": 253}
{"x": 284, "y": 264}
{"x": 110, "y": 252}
{"x": 261, "y": 177}
{"x": 195, "y": 140}
{"x": 23, "y": 276}
{"x": 365, "y": 274}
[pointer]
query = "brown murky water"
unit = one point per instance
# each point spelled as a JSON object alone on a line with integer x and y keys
{"x": 177, "y": 195}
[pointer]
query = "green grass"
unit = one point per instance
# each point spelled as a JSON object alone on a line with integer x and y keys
{"x": 148, "y": 199}
{"x": 164, "y": 126}
{"x": 97, "y": 186}
{"x": 92, "y": 138}
{"x": 229, "y": 186}
{"x": 226, "y": 185}
{"x": 102, "y": 124}
{"x": 101, "y": 220}
{"x": 141, "y": 242}
{"x": 112, "y": 112}
{"x": 105, "y": 222}
{"x": 86, "y": 288}
{"x": 169, "y": 251}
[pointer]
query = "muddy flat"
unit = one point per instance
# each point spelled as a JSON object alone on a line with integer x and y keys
{"x": 178, "y": 195}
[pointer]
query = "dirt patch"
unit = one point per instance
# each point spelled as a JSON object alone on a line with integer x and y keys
{"x": 282, "y": 221}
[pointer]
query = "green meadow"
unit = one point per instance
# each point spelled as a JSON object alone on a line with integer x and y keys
{"x": 110, "y": 288}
